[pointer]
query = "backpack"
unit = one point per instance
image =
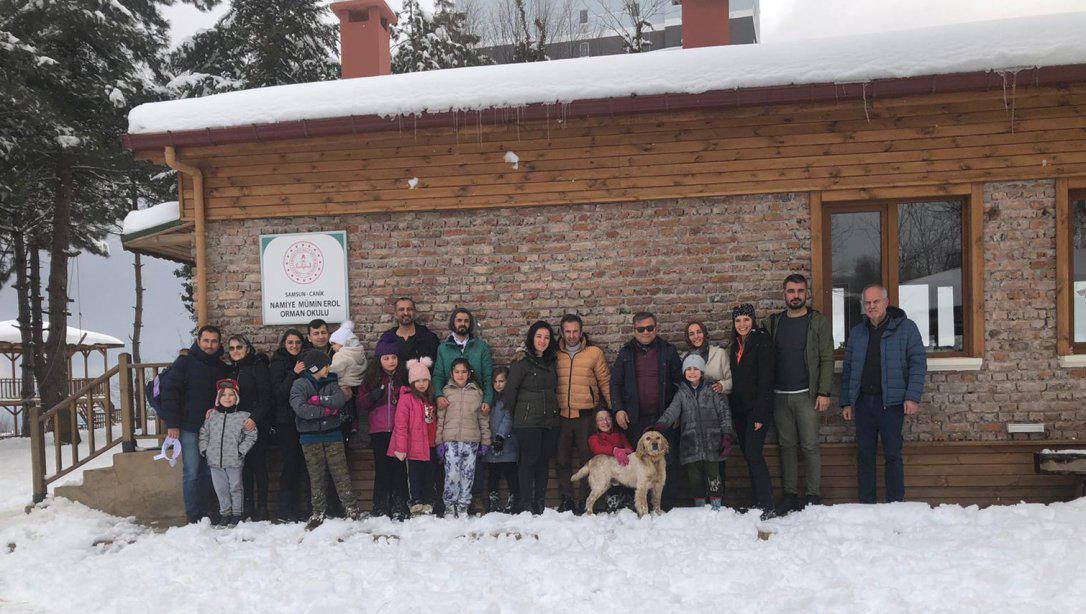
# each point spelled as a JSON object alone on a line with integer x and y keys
{"x": 156, "y": 386}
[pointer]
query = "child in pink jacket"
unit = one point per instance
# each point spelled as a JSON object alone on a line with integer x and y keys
{"x": 414, "y": 435}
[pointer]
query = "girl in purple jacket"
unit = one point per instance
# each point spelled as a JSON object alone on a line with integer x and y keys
{"x": 377, "y": 398}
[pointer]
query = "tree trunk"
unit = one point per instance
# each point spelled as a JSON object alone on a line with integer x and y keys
{"x": 54, "y": 386}
{"x": 37, "y": 346}
{"x": 26, "y": 360}
{"x": 137, "y": 322}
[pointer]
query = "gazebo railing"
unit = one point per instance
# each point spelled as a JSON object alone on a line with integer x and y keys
{"x": 91, "y": 417}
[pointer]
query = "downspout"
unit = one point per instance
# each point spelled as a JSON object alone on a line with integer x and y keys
{"x": 197, "y": 175}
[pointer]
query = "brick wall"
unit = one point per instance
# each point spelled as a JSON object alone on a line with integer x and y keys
{"x": 682, "y": 259}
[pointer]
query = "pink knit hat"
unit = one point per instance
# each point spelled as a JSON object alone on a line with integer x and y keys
{"x": 418, "y": 369}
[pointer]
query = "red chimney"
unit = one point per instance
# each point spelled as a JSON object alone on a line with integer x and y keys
{"x": 364, "y": 37}
{"x": 705, "y": 23}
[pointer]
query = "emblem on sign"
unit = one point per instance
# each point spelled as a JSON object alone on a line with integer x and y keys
{"x": 303, "y": 262}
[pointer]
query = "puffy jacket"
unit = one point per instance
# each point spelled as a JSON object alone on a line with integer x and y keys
{"x": 223, "y": 438}
{"x": 818, "y": 352}
{"x": 582, "y": 380}
{"x": 463, "y": 419}
{"x": 605, "y": 443}
{"x": 718, "y": 368}
{"x": 254, "y": 386}
{"x": 704, "y": 418}
{"x": 281, "y": 375}
{"x": 415, "y": 427}
{"x": 314, "y": 418}
{"x": 479, "y": 357}
{"x": 501, "y": 424}
{"x": 624, "y": 395}
{"x": 752, "y": 378}
{"x": 423, "y": 343}
{"x": 379, "y": 403}
{"x": 531, "y": 392}
{"x": 189, "y": 388}
{"x": 349, "y": 364}
{"x": 904, "y": 361}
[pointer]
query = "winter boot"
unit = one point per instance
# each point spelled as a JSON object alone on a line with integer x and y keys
{"x": 699, "y": 502}
{"x": 538, "y": 507}
{"x": 315, "y": 521}
{"x": 714, "y": 503}
{"x": 812, "y": 500}
{"x": 566, "y": 504}
{"x": 788, "y": 504}
{"x": 232, "y": 521}
{"x": 768, "y": 514}
{"x": 493, "y": 502}
{"x": 512, "y": 505}
{"x": 353, "y": 513}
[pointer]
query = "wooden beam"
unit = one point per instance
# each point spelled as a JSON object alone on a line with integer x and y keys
{"x": 1064, "y": 295}
{"x": 820, "y": 294}
{"x": 974, "y": 282}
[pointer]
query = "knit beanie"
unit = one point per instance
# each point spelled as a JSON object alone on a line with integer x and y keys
{"x": 693, "y": 359}
{"x": 227, "y": 384}
{"x": 344, "y": 335}
{"x": 315, "y": 360}
{"x": 418, "y": 369}
{"x": 386, "y": 347}
{"x": 746, "y": 309}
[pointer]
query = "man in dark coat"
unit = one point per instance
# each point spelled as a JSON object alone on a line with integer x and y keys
{"x": 644, "y": 378}
{"x": 413, "y": 339}
{"x": 882, "y": 381}
{"x": 188, "y": 392}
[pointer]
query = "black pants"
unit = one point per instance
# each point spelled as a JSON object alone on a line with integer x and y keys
{"x": 536, "y": 450}
{"x": 752, "y": 442}
{"x": 389, "y": 481}
{"x": 420, "y": 480}
{"x": 255, "y": 470}
{"x": 293, "y": 480}
{"x": 873, "y": 421}
{"x": 496, "y": 471}
{"x": 675, "y": 476}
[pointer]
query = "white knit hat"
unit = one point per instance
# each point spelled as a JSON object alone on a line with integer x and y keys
{"x": 344, "y": 335}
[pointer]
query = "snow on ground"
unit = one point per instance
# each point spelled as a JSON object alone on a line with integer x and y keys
{"x": 889, "y": 558}
{"x": 1008, "y": 44}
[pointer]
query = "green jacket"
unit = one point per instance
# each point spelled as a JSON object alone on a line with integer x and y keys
{"x": 478, "y": 354}
{"x": 819, "y": 350}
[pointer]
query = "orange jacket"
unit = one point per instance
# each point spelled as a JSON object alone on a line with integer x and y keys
{"x": 582, "y": 380}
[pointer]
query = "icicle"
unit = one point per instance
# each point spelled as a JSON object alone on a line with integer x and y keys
{"x": 479, "y": 126}
{"x": 866, "y": 113}
{"x": 1009, "y": 104}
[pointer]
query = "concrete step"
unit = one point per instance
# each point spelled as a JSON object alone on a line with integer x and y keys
{"x": 136, "y": 485}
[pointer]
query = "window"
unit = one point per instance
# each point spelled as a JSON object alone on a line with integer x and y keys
{"x": 583, "y": 50}
{"x": 916, "y": 248}
{"x": 584, "y": 16}
{"x": 1078, "y": 270}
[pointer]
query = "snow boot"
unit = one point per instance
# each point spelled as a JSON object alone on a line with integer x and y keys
{"x": 566, "y": 505}
{"x": 714, "y": 503}
{"x": 315, "y": 521}
{"x": 493, "y": 502}
{"x": 812, "y": 500}
{"x": 789, "y": 504}
{"x": 699, "y": 502}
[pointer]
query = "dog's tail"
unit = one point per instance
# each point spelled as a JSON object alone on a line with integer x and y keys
{"x": 581, "y": 473}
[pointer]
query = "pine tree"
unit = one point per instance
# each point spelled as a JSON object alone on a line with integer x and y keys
{"x": 455, "y": 44}
{"x": 258, "y": 43}
{"x": 433, "y": 43}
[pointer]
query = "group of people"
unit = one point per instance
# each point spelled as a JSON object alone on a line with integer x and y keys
{"x": 433, "y": 406}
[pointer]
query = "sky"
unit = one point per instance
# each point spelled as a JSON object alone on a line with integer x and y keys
{"x": 103, "y": 287}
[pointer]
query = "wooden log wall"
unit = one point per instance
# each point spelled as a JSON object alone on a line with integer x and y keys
{"x": 853, "y": 146}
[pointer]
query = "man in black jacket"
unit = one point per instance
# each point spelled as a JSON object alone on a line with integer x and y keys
{"x": 413, "y": 339}
{"x": 188, "y": 392}
{"x": 644, "y": 379}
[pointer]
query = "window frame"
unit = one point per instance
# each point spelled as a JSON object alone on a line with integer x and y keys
{"x": 1066, "y": 191}
{"x": 971, "y": 197}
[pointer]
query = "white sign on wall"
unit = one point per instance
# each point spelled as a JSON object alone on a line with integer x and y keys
{"x": 303, "y": 276}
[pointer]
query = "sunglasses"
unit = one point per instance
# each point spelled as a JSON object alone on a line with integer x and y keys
{"x": 645, "y": 329}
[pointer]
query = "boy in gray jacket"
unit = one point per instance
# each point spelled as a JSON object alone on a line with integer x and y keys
{"x": 224, "y": 442}
{"x": 705, "y": 439}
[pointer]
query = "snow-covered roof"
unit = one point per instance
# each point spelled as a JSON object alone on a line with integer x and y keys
{"x": 998, "y": 45}
{"x": 9, "y": 333}
{"x": 151, "y": 217}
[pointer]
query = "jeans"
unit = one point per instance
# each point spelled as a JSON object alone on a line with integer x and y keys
{"x": 797, "y": 424}
{"x": 872, "y": 422}
{"x": 752, "y": 443}
{"x": 420, "y": 481}
{"x": 573, "y": 436}
{"x": 228, "y": 489}
{"x": 197, "y": 476}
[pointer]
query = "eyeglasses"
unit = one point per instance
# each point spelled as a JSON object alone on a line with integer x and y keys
{"x": 645, "y": 329}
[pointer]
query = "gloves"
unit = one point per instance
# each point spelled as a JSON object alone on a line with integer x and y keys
{"x": 622, "y": 455}
{"x": 497, "y": 443}
{"x": 330, "y": 411}
{"x": 441, "y": 450}
{"x": 725, "y": 446}
{"x": 315, "y": 400}
{"x": 484, "y": 450}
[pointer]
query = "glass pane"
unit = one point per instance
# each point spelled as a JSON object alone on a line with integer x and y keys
{"x": 856, "y": 248}
{"x": 1078, "y": 267}
{"x": 930, "y": 271}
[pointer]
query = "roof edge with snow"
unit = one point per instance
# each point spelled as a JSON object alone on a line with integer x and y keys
{"x": 1029, "y": 52}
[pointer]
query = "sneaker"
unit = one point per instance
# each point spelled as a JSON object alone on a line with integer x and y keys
{"x": 812, "y": 500}
{"x": 566, "y": 505}
{"x": 714, "y": 503}
{"x": 315, "y": 521}
{"x": 789, "y": 504}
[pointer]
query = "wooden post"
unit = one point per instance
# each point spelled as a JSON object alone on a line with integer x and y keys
{"x": 37, "y": 453}
{"x": 128, "y": 434}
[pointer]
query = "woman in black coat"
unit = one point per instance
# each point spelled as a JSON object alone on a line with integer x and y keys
{"x": 751, "y": 359}
{"x": 285, "y": 367}
{"x": 250, "y": 369}
{"x": 531, "y": 396}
